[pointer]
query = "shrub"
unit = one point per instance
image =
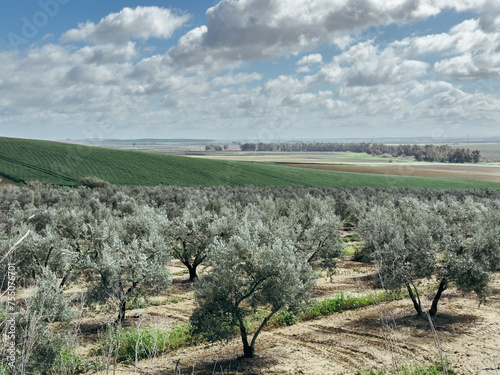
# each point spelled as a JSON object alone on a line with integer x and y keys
{"x": 286, "y": 318}
{"x": 4, "y": 369}
{"x": 68, "y": 361}
{"x": 92, "y": 182}
{"x": 136, "y": 303}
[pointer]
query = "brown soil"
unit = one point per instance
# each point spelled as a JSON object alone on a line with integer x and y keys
{"x": 469, "y": 172}
{"x": 378, "y": 336}
{"x": 5, "y": 181}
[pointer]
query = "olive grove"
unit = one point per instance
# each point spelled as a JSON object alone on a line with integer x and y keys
{"x": 247, "y": 249}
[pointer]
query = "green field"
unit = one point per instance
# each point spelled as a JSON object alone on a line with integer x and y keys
{"x": 64, "y": 164}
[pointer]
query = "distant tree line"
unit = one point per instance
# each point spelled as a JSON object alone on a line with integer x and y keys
{"x": 216, "y": 148}
{"x": 431, "y": 153}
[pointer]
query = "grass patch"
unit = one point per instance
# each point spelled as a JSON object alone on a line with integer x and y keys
{"x": 174, "y": 299}
{"x": 414, "y": 369}
{"x": 350, "y": 250}
{"x": 136, "y": 303}
{"x": 68, "y": 361}
{"x": 344, "y": 302}
{"x": 181, "y": 273}
{"x": 135, "y": 344}
{"x": 286, "y": 318}
{"x": 56, "y": 163}
{"x": 329, "y": 306}
{"x": 158, "y": 302}
{"x": 349, "y": 239}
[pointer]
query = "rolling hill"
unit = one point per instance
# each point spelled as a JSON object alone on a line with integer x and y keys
{"x": 56, "y": 163}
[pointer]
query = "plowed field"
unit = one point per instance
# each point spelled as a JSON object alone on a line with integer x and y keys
{"x": 381, "y": 336}
{"x": 465, "y": 172}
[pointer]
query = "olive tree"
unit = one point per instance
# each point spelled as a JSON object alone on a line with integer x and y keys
{"x": 468, "y": 261}
{"x": 35, "y": 339}
{"x": 59, "y": 235}
{"x": 194, "y": 230}
{"x": 246, "y": 274}
{"x": 416, "y": 241}
{"x": 310, "y": 222}
{"x": 321, "y": 240}
{"x": 130, "y": 258}
{"x": 403, "y": 241}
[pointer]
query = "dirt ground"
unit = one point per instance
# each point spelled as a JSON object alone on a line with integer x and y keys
{"x": 4, "y": 181}
{"x": 466, "y": 172}
{"x": 380, "y": 336}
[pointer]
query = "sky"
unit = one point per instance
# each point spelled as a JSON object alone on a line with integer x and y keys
{"x": 259, "y": 70}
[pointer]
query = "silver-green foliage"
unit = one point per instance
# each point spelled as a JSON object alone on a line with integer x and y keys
{"x": 453, "y": 241}
{"x": 245, "y": 274}
{"x": 316, "y": 229}
{"x": 133, "y": 259}
{"x": 38, "y": 347}
{"x": 192, "y": 233}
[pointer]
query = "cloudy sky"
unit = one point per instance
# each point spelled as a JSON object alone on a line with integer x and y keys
{"x": 265, "y": 70}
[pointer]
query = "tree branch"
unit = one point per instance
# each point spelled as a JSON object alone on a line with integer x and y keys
{"x": 16, "y": 245}
{"x": 262, "y": 326}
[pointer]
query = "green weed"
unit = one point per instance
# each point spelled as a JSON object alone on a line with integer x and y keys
{"x": 136, "y": 303}
{"x": 351, "y": 239}
{"x": 344, "y": 302}
{"x": 350, "y": 250}
{"x": 181, "y": 273}
{"x": 285, "y": 318}
{"x": 135, "y": 344}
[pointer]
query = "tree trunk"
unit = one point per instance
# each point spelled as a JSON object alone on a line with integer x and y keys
{"x": 248, "y": 350}
{"x": 252, "y": 347}
{"x": 121, "y": 312}
{"x": 192, "y": 272}
{"x": 63, "y": 281}
{"x": 416, "y": 300}
{"x": 123, "y": 303}
{"x": 442, "y": 287}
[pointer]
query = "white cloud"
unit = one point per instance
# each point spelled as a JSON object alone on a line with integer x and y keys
{"x": 235, "y": 79}
{"x": 473, "y": 52}
{"x": 315, "y": 58}
{"x": 283, "y": 85}
{"x": 255, "y": 29}
{"x": 364, "y": 64}
{"x": 457, "y": 105}
{"x": 114, "y": 80}
{"x": 490, "y": 17}
{"x": 107, "y": 53}
{"x": 468, "y": 66}
{"x": 303, "y": 69}
{"x": 462, "y": 38}
{"x": 119, "y": 28}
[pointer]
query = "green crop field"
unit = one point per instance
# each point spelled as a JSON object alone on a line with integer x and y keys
{"x": 64, "y": 164}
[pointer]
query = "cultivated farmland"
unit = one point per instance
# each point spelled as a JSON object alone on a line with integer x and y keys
{"x": 64, "y": 164}
{"x": 433, "y": 170}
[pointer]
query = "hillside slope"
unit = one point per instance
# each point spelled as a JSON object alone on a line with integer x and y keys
{"x": 24, "y": 160}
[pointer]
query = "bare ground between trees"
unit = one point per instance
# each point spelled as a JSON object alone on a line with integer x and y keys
{"x": 378, "y": 336}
